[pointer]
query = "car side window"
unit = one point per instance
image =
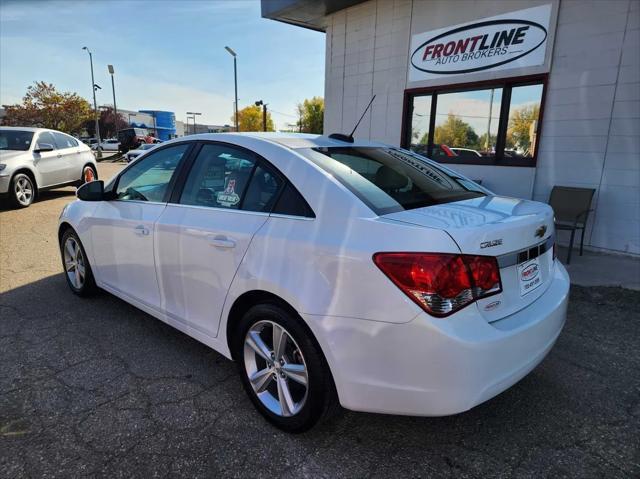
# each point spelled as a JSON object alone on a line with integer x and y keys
{"x": 218, "y": 177}
{"x": 64, "y": 141}
{"x": 149, "y": 178}
{"x": 263, "y": 189}
{"x": 46, "y": 138}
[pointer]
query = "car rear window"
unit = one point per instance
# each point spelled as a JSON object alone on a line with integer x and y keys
{"x": 389, "y": 179}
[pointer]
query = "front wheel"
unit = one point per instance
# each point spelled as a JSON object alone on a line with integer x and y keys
{"x": 283, "y": 370}
{"x": 76, "y": 265}
{"x": 23, "y": 191}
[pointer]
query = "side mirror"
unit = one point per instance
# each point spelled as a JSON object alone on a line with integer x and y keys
{"x": 42, "y": 147}
{"x": 92, "y": 191}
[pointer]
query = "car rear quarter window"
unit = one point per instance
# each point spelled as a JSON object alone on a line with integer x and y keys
{"x": 292, "y": 203}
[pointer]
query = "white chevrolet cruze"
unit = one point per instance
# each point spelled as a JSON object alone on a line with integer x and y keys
{"x": 333, "y": 271}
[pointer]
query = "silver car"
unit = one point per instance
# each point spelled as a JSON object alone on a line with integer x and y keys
{"x": 35, "y": 159}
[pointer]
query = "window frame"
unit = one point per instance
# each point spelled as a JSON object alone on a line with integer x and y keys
{"x": 183, "y": 174}
{"x": 507, "y": 84}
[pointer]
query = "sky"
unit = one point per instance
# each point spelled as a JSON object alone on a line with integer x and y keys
{"x": 167, "y": 55}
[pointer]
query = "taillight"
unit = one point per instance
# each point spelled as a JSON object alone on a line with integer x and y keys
{"x": 448, "y": 151}
{"x": 441, "y": 283}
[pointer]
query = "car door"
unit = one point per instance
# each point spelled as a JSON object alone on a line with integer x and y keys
{"x": 49, "y": 164}
{"x": 122, "y": 230}
{"x": 203, "y": 234}
{"x": 69, "y": 155}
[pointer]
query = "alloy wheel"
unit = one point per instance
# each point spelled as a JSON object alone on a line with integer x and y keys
{"x": 24, "y": 191}
{"x": 276, "y": 368}
{"x": 74, "y": 262}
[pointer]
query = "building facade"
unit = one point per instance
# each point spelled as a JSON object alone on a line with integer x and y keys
{"x": 520, "y": 94}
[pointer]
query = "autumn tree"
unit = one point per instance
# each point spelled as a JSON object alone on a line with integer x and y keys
{"x": 455, "y": 132}
{"x": 109, "y": 124}
{"x": 311, "y": 113}
{"x": 519, "y": 134}
{"x": 250, "y": 119}
{"x": 45, "y": 107}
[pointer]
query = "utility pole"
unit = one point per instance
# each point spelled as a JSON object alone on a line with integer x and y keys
{"x": 113, "y": 89}
{"x": 95, "y": 103}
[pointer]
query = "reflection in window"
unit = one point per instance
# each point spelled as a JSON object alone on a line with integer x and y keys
{"x": 524, "y": 112}
{"x": 420, "y": 116}
{"x": 469, "y": 127}
{"x": 466, "y": 124}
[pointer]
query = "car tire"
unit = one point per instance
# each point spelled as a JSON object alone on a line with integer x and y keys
{"x": 281, "y": 395}
{"x": 23, "y": 190}
{"x": 88, "y": 171}
{"x": 75, "y": 264}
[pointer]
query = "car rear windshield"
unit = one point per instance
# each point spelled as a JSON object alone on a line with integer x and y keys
{"x": 15, "y": 140}
{"x": 389, "y": 179}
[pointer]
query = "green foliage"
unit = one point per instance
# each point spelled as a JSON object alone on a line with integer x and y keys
{"x": 519, "y": 127}
{"x": 455, "y": 132}
{"x": 45, "y": 107}
{"x": 311, "y": 113}
{"x": 250, "y": 119}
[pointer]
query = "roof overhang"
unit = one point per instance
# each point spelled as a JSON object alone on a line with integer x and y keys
{"x": 310, "y": 14}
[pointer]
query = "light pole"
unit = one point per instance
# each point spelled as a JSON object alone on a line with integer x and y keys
{"x": 193, "y": 117}
{"x": 235, "y": 81}
{"x": 264, "y": 114}
{"x": 113, "y": 89}
{"x": 95, "y": 103}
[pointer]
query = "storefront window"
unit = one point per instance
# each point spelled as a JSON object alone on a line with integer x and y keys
{"x": 490, "y": 124}
{"x": 524, "y": 112}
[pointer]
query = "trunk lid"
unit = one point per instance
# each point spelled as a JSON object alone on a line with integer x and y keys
{"x": 520, "y": 233}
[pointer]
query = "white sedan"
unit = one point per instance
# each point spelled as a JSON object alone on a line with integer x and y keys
{"x": 333, "y": 272}
{"x": 133, "y": 154}
{"x": 111, "y": 144}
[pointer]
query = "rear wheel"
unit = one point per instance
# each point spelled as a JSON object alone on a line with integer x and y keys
{"x": 23, "y": 190}
{"x": 89, "y": 173}
{"x": 76, "y": 265}
{"x": 283, "y": 370}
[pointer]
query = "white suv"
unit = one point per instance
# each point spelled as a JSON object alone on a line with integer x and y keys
{"x": 33, "y": 159}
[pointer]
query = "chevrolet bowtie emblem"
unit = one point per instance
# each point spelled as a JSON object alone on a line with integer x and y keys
{"x": 541, "y": 231}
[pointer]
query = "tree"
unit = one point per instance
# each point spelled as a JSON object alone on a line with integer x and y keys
{"x": 109, "y": 124}
{"x": 455, "y": 132}
{"x": 45, "y": 107}
{"x": 311, "y": 113}
{"x": 519, "y": 134}
{"x": 250, "y": 119}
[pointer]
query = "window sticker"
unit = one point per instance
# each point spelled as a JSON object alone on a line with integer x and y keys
{"x": 228, "y": 197}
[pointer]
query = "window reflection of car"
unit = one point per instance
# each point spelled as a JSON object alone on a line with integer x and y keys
{"x": 133, "y": 154}
{"x": 466, "y": 153}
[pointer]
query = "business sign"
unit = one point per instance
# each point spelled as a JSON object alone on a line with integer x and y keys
{"x": 511, "y": 40}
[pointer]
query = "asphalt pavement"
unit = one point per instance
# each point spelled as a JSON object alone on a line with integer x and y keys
{"x": 95, "y": 387}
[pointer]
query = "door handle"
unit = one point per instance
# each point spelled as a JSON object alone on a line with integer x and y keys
{"x": 142, "y": 230}
{"x": 221, "y": 242}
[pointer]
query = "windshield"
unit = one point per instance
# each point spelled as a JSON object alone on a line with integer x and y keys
{"x": 390, "y": 179}
{"x": 18, "y": 140}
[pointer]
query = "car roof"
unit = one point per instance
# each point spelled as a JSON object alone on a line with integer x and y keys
{"x": 25, "y": 128}
{"x": 289, "y": 140}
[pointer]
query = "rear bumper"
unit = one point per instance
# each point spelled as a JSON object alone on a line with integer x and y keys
{"x": 437, "y": 367}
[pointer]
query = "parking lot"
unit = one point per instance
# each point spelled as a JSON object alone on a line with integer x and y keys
{"x": 97, "y": 387}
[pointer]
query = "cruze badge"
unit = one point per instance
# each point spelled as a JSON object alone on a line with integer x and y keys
{"x": 541, "y": 231}
{"x": 489, "y": 244}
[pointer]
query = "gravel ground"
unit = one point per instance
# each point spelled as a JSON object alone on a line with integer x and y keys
{"x": 96, "y": 387}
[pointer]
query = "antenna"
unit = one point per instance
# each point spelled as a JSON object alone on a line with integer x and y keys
{"x": 349, "y": 139}
{"x": 363, "y": 114}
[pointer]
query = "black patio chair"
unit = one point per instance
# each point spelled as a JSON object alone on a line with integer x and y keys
{"x": 571, "y": 207}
